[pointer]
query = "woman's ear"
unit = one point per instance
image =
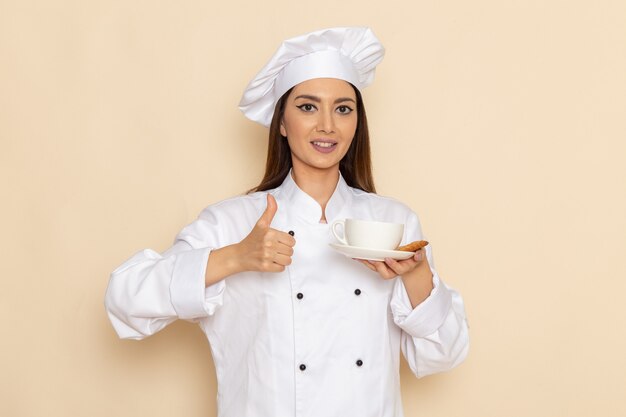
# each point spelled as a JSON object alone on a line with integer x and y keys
{"x": 283, "y": 131}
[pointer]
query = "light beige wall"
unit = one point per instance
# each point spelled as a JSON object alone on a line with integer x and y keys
{"x": 501, "y": 122}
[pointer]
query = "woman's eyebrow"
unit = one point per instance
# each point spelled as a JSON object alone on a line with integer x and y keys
{"x": 317, "y": 99}
{"x": 342, "y": 99}
{"x": 309, "y": 97}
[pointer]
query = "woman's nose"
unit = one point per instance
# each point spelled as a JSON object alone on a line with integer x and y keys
{"x": 325, "y": 122}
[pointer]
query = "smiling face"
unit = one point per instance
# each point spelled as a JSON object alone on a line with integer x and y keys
{"x": 319, "y": 121}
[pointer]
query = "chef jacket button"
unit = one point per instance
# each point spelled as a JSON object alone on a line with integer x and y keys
{"x": 300, "y": 296}
{"x": 302, "y": 367}
{"x": 357, "y": 291}
{"x": 291, "y": 232}
{"x": 359, "y": 362}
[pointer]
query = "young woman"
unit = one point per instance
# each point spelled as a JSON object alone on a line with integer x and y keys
{"x": 296, "y": 328}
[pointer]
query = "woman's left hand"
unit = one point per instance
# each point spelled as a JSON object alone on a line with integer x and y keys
{"x": 391, "y": 268}
{"x": 415, "y": 272}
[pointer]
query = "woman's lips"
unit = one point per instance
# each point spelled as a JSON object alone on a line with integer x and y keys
{"x": 324, "y": 146}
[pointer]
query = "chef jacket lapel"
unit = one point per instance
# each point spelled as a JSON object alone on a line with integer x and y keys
{"x": 293, "y": 204}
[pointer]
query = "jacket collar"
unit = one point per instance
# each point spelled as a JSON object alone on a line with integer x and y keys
{"x": 305, "y": 206}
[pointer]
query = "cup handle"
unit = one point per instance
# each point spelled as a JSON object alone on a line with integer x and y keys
{"x": 336, "y": 223}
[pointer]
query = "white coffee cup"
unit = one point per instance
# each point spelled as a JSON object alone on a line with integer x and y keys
{"x": 369, "y": 234}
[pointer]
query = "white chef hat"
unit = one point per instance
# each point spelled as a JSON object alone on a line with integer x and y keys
{"x": 350, "y": 54}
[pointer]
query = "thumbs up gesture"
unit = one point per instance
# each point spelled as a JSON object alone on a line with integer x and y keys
{"x": 266, "y": 249}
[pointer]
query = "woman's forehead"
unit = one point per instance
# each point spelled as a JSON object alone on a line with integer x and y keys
{"x": 324, "y": 88}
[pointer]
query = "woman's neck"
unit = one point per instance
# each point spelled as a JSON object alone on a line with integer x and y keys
{"x": 318, "y": 183}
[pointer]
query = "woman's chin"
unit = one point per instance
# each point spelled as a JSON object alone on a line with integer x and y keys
{"x": 318, "y": 165}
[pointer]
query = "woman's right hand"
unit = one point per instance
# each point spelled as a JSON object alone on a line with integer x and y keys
{"x": 264, "y": 249}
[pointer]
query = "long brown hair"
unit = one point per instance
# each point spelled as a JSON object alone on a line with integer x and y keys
{"x": 355, "y": 167}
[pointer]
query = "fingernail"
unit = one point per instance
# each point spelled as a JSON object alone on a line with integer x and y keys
{"x": 291, "y": 232}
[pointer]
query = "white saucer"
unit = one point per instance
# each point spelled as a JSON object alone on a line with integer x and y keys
{"x": 370, "y": 254}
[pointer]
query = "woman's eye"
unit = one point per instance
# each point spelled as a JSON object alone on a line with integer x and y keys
{"x": 344, "y": 110}
{"x": 306, "y": 107}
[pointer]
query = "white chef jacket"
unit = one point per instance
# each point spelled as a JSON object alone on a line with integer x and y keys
{"x": 321, "y": 339}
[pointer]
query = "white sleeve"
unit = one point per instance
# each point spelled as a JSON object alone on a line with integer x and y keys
{"x": 151, "y": 290}
{"x": 435, "y": 335}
